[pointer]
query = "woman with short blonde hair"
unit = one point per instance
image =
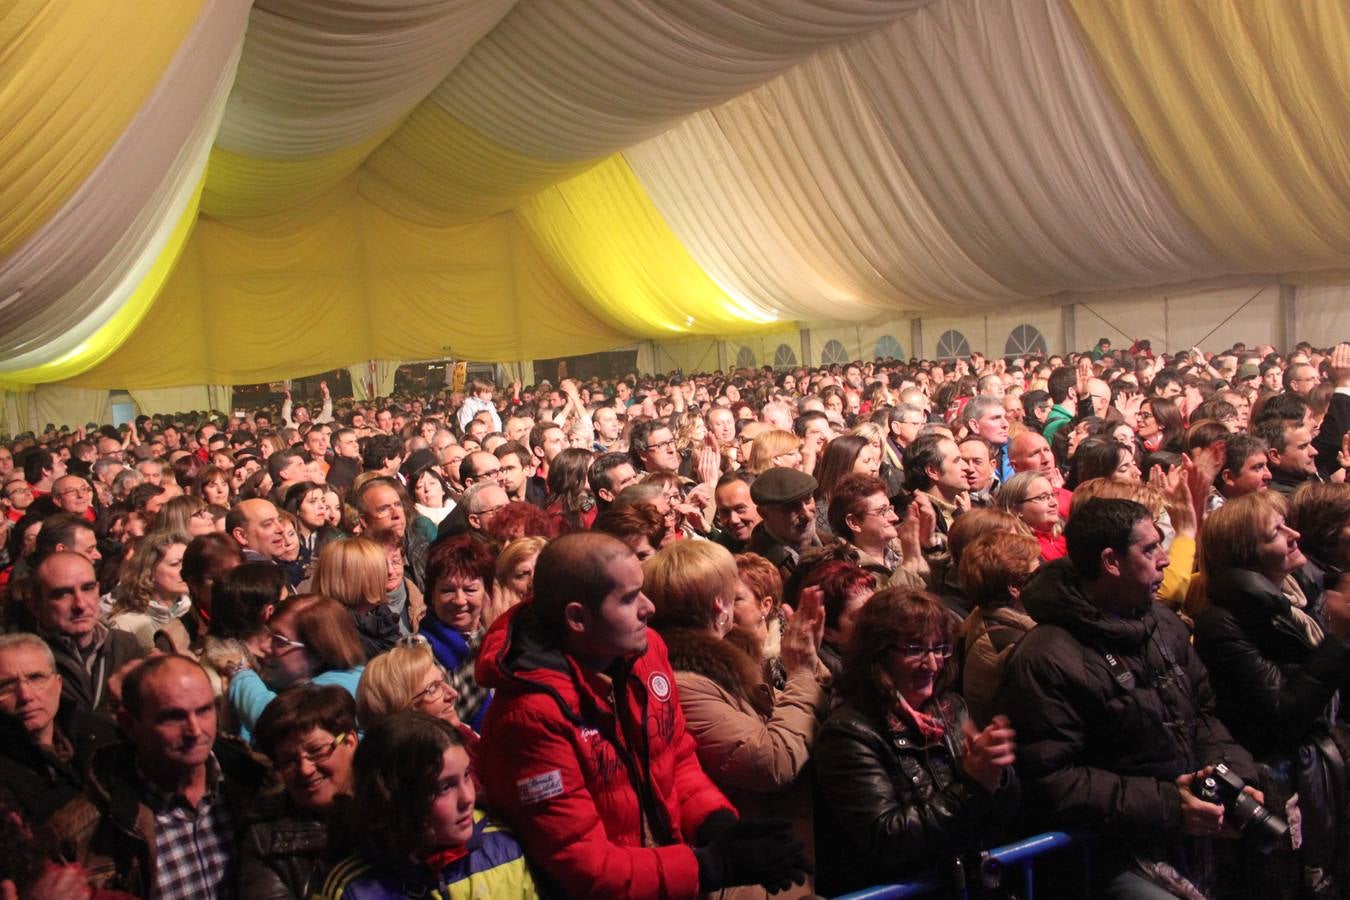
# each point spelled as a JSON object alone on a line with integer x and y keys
{"x": 775, "y": 448}
{"x": 353, "y": 573}
{"x": 406, "y": 677}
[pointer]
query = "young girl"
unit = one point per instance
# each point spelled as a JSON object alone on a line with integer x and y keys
{"x": 412, "y": 825}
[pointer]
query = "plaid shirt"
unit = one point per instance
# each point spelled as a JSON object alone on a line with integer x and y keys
{"x": 194, "y": 848}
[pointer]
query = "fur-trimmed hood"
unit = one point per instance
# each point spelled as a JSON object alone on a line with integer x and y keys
{"x": 720, "y": 660}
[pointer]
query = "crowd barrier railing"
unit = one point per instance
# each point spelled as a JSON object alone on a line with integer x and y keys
{"x": 995, "y": 864}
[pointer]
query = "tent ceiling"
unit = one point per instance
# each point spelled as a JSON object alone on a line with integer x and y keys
{"x": 197, "y": 191}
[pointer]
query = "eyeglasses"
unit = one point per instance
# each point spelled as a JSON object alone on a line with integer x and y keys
{"x": 885, "y": 512}
{"x": 437, "y": 690}
{"x": 21, "y": 489}
{"x": 1144, "y": 414}
{"x": 664, "y": 445}
{"x": 203, "y": 514}
{"x": 916, "y": 652}
{"x": 9, "y": 688}
{"x": 1039, "y": 498}
{"x": 313, "y": 757}
{"x": 76, "y": 491}
{"x": 281, "y": 643}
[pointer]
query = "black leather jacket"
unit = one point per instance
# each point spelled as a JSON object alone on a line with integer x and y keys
{"x": 1272, "y": 686}
{"x": 888, "y": 805}
{"x": 282, "y": 852}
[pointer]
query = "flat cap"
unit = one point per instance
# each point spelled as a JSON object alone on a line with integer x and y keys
{"x": 1248, "y": 370}
{"x": 781, "y": 485}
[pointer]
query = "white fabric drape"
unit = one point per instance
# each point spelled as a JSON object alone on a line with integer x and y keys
{"x": 880, "y": 175}
{"x": 321, "y": 76}
{"x": 75, "y": 272}
{"x": 154, "y": 401}
{"x": 70, "y": 407}
{"x": 578, "y": 80}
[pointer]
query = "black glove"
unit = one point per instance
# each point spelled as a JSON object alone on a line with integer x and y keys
{"x": 713, "y": 827}
{"x": 753, "y": 851}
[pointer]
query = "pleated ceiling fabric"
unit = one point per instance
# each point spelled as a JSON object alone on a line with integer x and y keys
{"x": 225, "y": 191}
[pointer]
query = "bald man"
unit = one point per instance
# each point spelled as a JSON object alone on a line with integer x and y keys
{"x": 1030, "y": 452}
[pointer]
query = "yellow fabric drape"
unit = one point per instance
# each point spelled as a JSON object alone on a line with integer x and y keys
{"x": 1242, "y": 110}
{"x": 241, "y": 186}
{"x": 436, "y": 166}
{"x": 73, "y": 73}
{"x": 341, "y": 280}
{"x": 602, "y": 232}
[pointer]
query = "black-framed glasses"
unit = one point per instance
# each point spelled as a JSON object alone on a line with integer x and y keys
{"x": 916, "y": 652}
{"x": 313, "y": 757}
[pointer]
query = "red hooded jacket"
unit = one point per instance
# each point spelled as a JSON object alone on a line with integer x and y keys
{"x": 603, "y": 789}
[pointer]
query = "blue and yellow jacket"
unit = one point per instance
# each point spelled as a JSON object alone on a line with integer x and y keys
{"x": 494, "y": 867}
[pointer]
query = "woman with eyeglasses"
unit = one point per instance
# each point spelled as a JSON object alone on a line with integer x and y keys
{"x": 1031, "y": 497}
{"x": 889, "y": 547}
{"x": 409, "y": 678}
{"x": 309, "y": 733}
{"x": 901, "y": 783}
{"x": 310, "y": 640}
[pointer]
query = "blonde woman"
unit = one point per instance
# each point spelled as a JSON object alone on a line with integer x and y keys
{"x": 151, "y": 599}
{"x": 513, "y": 580}
{"x": 775, "y": 448}
{"x": 753, "y": 742}
{"x": 354, "y": 573}
{"x": 408, "y": 677}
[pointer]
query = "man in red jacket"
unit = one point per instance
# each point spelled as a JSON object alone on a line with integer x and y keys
{"x": 584, "y": 748}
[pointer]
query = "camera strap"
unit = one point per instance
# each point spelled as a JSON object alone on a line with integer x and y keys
{"x": 1123, "y": 676}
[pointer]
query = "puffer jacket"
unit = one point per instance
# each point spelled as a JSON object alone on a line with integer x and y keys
{"x": 1097, "y": 753}
{"x": 282, "y": 854}
{"x": 594, "y": 772}
{"x": 889, "y": 804}
{"x": 754, "y": 744}
{"x": 1272, "y": 686}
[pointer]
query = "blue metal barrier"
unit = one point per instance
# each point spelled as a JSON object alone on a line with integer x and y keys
{"x": 993, "y": 864}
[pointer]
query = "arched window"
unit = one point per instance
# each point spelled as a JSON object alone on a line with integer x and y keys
{"x": 889, "y": 348}
{"x": 745, "y": 358}
{"x": 953, "y": 345}
{"x": 833, "y": 352}
{"x": 1025, "y": 340}
{"x": 784, "y": 357}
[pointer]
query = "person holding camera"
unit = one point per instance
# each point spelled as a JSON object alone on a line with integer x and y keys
{"x": 1278, "y": 651}
{"x": 1114, "y": 712}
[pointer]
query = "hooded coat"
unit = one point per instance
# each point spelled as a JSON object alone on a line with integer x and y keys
{"x": 1101, "y": 746}
{"x": 594, "y": 771}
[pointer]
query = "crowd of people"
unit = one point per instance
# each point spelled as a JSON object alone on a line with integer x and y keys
{"x": 794, "y": 632}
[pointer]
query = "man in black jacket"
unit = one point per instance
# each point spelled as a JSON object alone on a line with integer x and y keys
{"x": 1114, "y": 711}
{"x": 64, "y": 606}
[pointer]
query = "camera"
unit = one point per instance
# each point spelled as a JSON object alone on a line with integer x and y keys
{"x": 1224, "y": 788}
